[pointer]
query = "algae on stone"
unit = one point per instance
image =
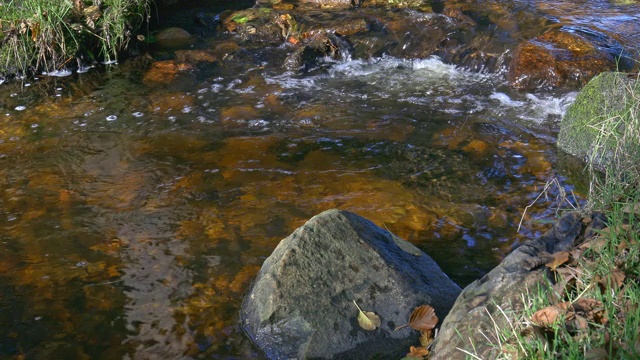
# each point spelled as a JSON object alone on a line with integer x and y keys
{"x": 604, "y": 101}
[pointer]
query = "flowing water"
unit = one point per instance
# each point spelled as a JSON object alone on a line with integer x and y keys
{"x": 134, "y": 215}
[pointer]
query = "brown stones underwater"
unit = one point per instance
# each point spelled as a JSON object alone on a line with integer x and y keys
{"x": 139, "y": 201}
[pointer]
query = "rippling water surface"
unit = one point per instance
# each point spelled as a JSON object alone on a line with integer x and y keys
{"x": 134, "y": 215}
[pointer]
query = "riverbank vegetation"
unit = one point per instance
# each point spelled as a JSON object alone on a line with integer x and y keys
{"x": 50, "y": 35}
{"x": 591, "y": 309}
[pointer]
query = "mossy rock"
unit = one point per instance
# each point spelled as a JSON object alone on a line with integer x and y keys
{"x": 606, "y": 96}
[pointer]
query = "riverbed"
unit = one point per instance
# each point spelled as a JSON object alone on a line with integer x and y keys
{"x": 134, "y": 213}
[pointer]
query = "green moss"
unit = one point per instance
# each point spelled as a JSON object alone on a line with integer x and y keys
{"x": 602, "y": 107}
{"x": 240, "y": 19}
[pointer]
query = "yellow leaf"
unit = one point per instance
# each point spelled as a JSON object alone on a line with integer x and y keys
{"x": 366, "y": 319}
{"x": 556, "y": 259}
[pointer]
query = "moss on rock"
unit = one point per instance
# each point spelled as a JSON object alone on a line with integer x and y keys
{"x": 605, "y": 97}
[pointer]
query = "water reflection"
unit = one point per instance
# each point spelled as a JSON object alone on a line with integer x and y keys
{"x": 137, "y": 236}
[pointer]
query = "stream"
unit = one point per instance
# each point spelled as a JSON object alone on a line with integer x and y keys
{"x": 134, "y": 214}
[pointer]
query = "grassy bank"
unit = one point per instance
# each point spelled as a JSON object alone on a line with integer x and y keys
{"x": 47, "y": 35}
{"x": 591, "y": 308}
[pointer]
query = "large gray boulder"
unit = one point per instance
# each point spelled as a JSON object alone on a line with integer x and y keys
{"x": 301, "y": 303}
{"x": 606, "y": 100}
{"x": 472, "y": 322}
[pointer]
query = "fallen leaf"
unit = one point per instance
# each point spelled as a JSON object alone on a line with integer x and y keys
{"x": 576, "y": 322}
{"x": 613, "y": 280}
{"x": 423, "y": 318}
{"x": 547, "y": 316}
{"x": 556, "y": 259}
{"x": 366, "y": 319}
{"x": 586, "y": 305}
{"x": 597, "y": 243}
{"x": 576, "y": 254}
{"x": 567, "y": 275}
{"x": 417, "y": 353}
{"x": 426, "y": 338}
{"x": 635, "y": 209}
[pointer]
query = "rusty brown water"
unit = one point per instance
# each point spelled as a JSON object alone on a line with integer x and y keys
{"x": 134, "y": 213}
{"x": 133, "y": 217}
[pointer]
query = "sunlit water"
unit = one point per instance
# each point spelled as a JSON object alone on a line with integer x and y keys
{"x": 135, "y": 213}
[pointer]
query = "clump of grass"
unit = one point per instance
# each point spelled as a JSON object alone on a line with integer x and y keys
{"x": 45, "y": 35}
{"x": 591, "y": 306}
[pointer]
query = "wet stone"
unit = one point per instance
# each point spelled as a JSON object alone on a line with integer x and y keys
{"x": 562, "y": 58}
{"x": 301, "y": 304}
{"x": 173, "y": 37}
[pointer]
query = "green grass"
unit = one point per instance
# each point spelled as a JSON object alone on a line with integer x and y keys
{"x": 613, "y": 333}
{"x": 45, "y": 35}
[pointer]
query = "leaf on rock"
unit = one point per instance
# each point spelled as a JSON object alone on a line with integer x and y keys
{"x": 366, "y": 319}
{"x": 417, "y": 353}
{"x": 426, "y": 338}
{"x": 556, "y": 259}
{"x": 598, "y": 242}
{"x": 423, "y": 318}
{"x": 547, "y": 316}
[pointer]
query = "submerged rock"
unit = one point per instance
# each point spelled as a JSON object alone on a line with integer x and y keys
{"x": 579, "y": 127}
{"x": 472, "y": 321}
{"x": 301, "y": 304}
{"x": 565, "y": 57}
{"x": 173, "y": 37}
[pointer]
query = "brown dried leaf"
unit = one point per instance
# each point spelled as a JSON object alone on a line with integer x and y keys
{"x": 423, "y": 318}
{"x": 576, "y": 254}
{"x": 567, "y": 275}
{"x": 613, "y": 280}
{"x": 556, "y": 259}
{"x": 417, "y": 352}
{"x": 635, "y": 209}
{"x": 426, "y": 338}
{"x": 586, "y": 305}
{"x": 597, "y": 243}
{"x": 366, "y": 319}
{"x": 547, "y": 316}
{"x": 576, "y": 323}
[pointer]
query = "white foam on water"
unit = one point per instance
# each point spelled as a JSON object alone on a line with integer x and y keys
{"x": 428, "y": 83}
{"x": 504, "y": 99}
{"x": 58, "y": 73}
{"x": 533, "y": 108}
{"x": 84, "y": 68}
{"x": 543, "y": 107}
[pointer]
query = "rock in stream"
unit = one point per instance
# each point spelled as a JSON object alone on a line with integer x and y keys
{"x": 301, "y": 304}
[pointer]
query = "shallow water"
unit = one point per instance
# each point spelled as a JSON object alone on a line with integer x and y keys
{"x": 133, "y": 217}
{"x": 134, "y": 213}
